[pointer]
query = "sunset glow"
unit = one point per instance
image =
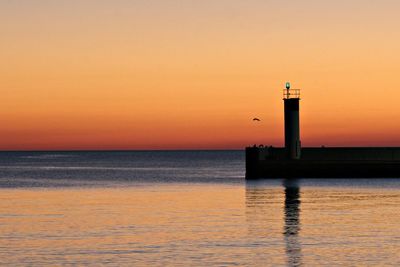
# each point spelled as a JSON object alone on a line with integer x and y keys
{"x": 193, "y": 74}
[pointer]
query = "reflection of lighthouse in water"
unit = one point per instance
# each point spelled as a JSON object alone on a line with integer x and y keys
{"x": 292, "y": 223}
{"x": 263, "y": 204}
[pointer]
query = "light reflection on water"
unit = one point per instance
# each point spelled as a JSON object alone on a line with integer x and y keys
{"x": 260, "y": 199}
{"x": 292, "y": 223}
{"x": 327, "y": 221}
{"x": 187, "y": 208}
{"x": 289, "y": 223}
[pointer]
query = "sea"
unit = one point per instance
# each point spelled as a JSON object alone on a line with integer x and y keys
{"x": 187, "y": 208}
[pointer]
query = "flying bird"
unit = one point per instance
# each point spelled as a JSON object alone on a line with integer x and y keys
{"x": 256, "y": 119}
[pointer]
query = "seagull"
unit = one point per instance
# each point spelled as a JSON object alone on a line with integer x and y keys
{"x": 256, "y": 119}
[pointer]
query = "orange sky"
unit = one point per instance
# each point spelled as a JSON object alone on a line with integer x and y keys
{"x": 192, "y": 74}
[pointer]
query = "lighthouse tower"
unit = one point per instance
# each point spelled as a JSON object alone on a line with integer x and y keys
{"x": 291, "y": 99}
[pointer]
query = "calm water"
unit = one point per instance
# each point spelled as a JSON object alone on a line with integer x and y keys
{"x": 187, "y": 209}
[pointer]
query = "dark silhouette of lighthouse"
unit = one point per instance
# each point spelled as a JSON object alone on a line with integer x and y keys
{"x": 293, "y": 161}
{"x": 291, "y": 98}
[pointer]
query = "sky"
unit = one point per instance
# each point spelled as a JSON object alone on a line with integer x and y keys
{"x": 169, "y": 74}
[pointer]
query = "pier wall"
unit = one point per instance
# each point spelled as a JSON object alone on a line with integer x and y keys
{"x": 335, "y": 162}
{"x": 329, "y": 153}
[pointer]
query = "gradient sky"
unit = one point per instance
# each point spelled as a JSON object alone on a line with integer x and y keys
{"x": 168, "y": 74}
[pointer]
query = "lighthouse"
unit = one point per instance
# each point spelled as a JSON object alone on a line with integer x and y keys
{"x": 291, "y": 98}
{"x": 293, "y": 161}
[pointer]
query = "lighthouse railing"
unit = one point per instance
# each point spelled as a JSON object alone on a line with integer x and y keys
{"x": 291, "y": 93}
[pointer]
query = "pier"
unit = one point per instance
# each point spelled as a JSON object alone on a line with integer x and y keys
{"x": 294, "y": 161}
